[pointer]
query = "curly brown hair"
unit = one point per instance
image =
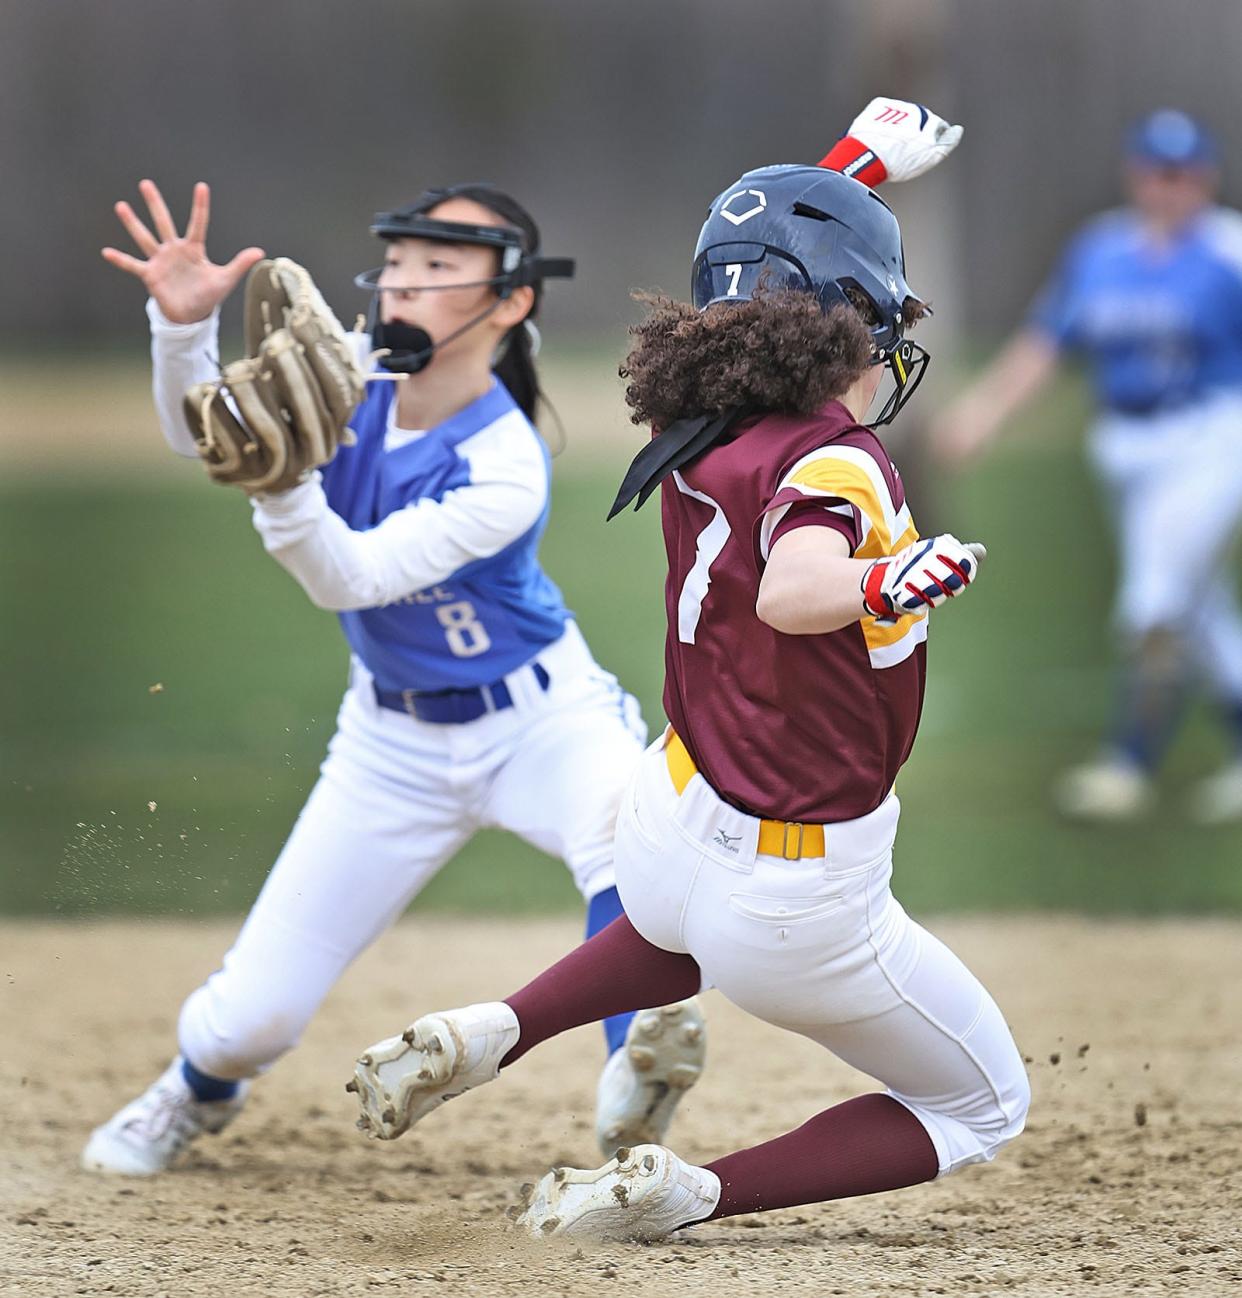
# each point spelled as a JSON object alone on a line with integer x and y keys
{"x": 777, "y": 352}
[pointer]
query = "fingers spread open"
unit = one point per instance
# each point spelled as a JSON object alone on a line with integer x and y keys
{"x": 160, "y": 216}
{"x": 123, "y": 261}
{"x": 200, "y": 213}
{"x": 138, "y": 232}
{"x": 241, "y": 264}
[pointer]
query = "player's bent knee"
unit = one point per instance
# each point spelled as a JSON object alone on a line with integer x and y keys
{"x": 1012, "y": 1107}
{"x": 1004, "y": 1119}
{"x": 975, "y": 1127}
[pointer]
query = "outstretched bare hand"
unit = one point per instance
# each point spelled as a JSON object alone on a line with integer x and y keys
{"x": 177, "y": 273}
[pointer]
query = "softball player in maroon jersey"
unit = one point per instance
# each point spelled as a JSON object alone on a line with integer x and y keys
{"x": 754, "y": 847}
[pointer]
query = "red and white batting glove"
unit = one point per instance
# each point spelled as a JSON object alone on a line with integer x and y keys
{"x": 920, "y": 577}
{"x": 892, "y": 140}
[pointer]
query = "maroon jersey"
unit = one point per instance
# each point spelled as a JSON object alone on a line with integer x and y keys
{"x": 809, "y": 728}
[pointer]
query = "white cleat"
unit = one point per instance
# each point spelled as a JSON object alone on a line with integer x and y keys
{"x": 1218, "y": 799}
{"x": 1111, "y": 789}
{"x": 437, "y": 1058}
{"x": 643, "y": 1194}
{"x": 147, "y": 1135}
{"x": 643, "y": 1082}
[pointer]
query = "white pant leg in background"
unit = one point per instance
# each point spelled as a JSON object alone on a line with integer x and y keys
{"x": 1175, "y": 484}
{"x": 560, "y": 788}
{"x": 820, "y": 946}
{"x": 381, "y": 820}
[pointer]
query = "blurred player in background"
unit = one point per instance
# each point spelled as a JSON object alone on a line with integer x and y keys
{"x": 473, "y": 698}
{"x": 1150, "y": 296}
{"x": 754, "y": 846}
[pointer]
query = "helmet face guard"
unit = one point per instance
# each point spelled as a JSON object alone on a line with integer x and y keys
{"x": 409, "y": 348}
{"x": 819, "y": 232}
{"x": 907, "y": 362}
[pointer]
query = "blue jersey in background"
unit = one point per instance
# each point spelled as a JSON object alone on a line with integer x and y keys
{"x": 1160, "y": 324}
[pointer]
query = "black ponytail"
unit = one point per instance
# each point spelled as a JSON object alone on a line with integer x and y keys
{"x": 515, "y": 368}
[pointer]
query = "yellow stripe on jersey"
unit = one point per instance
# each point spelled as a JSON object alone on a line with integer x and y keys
{"x": 879, "y": 634}
{"x": 889, "y": 645}
{"x": 833, "y": 476}
{"x": 851, "y": 474}
{"x": 873, "y": 546}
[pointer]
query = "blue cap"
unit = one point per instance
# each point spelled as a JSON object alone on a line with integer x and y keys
{"x": 1171, "y": 138}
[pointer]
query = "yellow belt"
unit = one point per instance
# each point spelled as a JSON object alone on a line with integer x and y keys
{"x": 776, "y": 837}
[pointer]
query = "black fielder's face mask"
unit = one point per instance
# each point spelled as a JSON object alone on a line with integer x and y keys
{"x": 408, "y": 348}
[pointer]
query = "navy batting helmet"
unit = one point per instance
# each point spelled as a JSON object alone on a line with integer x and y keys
{"x": 820, "y": 232}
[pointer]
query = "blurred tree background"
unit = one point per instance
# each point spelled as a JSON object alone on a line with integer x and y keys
{"x": 120, "y": 569}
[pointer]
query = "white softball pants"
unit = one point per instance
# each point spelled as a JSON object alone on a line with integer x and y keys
{"x": 395, "y": 799}
{"x": 1175, "y": 485}
{"x": 821, "y": 947}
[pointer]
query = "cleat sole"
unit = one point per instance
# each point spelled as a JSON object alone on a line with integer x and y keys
{"x": 628, "y": 1199}
{"x": 437, "y": 1058}
{"x": 642, "y": 1057}
{"x": 664, "y": 1055}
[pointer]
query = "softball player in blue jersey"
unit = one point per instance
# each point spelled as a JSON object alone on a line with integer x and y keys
{"x": 473, "y": 699}
{"x": 1151, "y": 296}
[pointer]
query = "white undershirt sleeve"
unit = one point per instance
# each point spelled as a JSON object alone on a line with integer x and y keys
{"x": 411, "y": 549}
{"x": 181, "y": 356}
{"x": 417, "y": 546}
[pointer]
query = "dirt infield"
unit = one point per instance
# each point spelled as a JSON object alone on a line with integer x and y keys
{"x": 1129, "y": 1179}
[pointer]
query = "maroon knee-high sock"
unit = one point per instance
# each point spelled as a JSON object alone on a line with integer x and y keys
{"x": 614, "y": 971}
{"x": 865, "y": 1145}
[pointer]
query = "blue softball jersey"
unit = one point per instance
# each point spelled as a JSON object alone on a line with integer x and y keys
{"x": 1159, "y": 324}
{"x": 486, "y": 619}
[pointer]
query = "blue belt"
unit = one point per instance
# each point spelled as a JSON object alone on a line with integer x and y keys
{"x": 455, "y": 707}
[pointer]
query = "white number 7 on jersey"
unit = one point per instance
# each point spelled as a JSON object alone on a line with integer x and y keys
{"x": 711, "y": 540}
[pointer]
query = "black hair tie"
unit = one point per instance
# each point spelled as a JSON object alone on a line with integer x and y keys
{"x": 682, "y": 441}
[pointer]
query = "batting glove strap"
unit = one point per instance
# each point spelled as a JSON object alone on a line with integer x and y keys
{"x": 919, "y": 577}
{"x": 853, "y": 158}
